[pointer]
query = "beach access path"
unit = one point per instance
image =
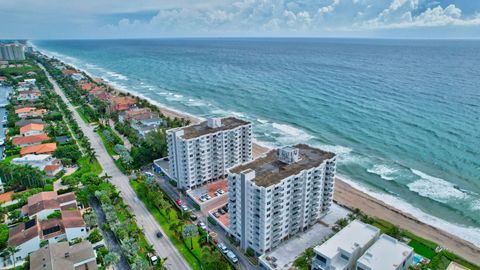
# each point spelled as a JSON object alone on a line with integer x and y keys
{"x": 163, "y": 247}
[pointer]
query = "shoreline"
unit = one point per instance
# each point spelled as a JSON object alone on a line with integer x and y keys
{"x": 345, "y": 194}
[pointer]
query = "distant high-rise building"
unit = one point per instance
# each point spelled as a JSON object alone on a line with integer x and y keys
{"x": 203, "y": 152}
{"x": 12, "y": 51}
{"x": 279, "y": 195}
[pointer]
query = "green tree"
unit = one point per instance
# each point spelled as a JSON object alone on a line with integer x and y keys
{"x": 189, "y": 232}
{"x": 3, "y": 236}
{"x": 95, "y": 236}
{"x": 69, "y": 151}
{"x": 111, "y": 258}
{"x": 12, "y": 250}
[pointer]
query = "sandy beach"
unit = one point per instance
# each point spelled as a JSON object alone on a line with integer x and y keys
{"x": 351, "y": 197}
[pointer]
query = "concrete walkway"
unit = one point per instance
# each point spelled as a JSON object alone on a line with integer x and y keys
{"x": 163, "y": 247}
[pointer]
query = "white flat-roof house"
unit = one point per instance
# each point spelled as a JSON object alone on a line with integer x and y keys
{"x": 278, "y": 195}
{"x": 203, "y": 152}
{"x": 342, "y": 250}
{"x": 386, "y": 254}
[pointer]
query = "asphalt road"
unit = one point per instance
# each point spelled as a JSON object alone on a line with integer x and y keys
{"x": 163, "y": 247}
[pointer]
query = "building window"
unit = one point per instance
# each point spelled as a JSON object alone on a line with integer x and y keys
{"x": 345, "y": 257}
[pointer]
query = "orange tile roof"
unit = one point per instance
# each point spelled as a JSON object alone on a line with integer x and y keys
{"x": 51, "y": 168}
{"x": 24, "y": 110}
{"x": 6, "y": 197}
{"x": 30, "y": 139}
{"x": 87, "y": 86}
{"x": 39, "y": 149}
{"x": 31, "y": 127}
{"x": 69, "y": 71}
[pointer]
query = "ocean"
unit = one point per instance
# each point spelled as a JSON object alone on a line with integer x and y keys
{"x": 402, "y": 115}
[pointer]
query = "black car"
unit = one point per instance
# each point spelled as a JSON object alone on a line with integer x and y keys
{"x": 193, "y": 217}
{"x": 159, "y": 234}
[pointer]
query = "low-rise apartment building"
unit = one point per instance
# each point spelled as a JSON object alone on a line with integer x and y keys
{"x": 342, "y": 250}
{"x": 386, "y": 254}
{"x": 203, "y": 152}
{"x": 279, "y": 195}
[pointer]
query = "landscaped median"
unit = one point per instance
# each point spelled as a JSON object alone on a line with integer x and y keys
{"x": 203, "y": 255}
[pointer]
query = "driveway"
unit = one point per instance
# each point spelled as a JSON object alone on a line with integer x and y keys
{"x": 163, "y": 247}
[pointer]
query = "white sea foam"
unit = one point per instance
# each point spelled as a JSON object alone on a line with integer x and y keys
{"x": 384, "y": 171}
{"x": 293, "y": 133}
{"x": 435, "y": 188}
{"x": 262, "y": 121}
{"x": 470, "y": 234}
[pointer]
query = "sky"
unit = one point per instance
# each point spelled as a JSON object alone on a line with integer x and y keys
{"x": 91, "y": 19}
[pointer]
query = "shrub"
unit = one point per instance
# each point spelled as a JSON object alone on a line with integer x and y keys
{"x": 95, "y": 236}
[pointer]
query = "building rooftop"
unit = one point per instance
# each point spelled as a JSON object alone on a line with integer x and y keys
{"x": 355, "y": 235}
{"x": 269, "y": 170}
{"x": 203, "y": 128}
{"x": 60, "y": 256}
{"x": 31, "y": 158}
{"x": 39, "y": 149}
{"x": 24, "y": 110}
{"x": 30, "y": 139}
{"x": 386, "y": 253}
{"x": 22, "y": 123}
{"x": 31, "y": 127}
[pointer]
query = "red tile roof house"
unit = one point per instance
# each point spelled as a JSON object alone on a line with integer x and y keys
{"x": 32, "y": 129}
{"x": 28, "y": 236}
{"x": 87, "y": 86}
{"x": 29, "y": 95}
{"x": 46, "y": 148}
{"x": 23, "y": 141}
{"x": 69, "y": 72}
{"x": 29, "y": 111}
{"x": 43, "y": 204}
{"x": 121, "y": 103}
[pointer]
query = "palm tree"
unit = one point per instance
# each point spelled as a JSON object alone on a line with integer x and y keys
{"x": 162, "y": 263}
{"x": 190, "y": 231}
{"x": 12, "y": 250}
{"x": 111, "y": 258}
{"x": 174, "y": 227}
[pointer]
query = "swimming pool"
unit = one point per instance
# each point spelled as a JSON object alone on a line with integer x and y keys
{"x": 417, "y": 259}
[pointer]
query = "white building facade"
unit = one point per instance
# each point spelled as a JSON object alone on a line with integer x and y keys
{"x": 387, "y": 254}
{"x": 203, "y": 152}
{"x": 279, "y": 195}
{"x": 342, "y": 250}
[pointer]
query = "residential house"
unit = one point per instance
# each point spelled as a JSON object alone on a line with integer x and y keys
{"x": 23, "y": 141}
{"x": 87, "y": 86}
{"x": 46, "y": 163}
{"x": 25, "y": 122}
{"x": 32, "y": 129}
{"x": 143, "y": 120}
{"x": 28, "y": 236}
{"x": 77, "y": 76}
{"x": 45, "y": 203}
{"x": 69, "y": 72}
{"x": 342, "y": 250}
{"x": 62, "y": 256}
{"x": 31, "y": 95}
{"x": 121, "y": 103}
{"x": 46, "y": 148}
{"x": 387, "y": 253}
{"x": 25, "y": 112}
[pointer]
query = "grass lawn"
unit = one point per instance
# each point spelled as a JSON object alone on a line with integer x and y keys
{"x": 162, "y": 220}
{"x": 422, "y": 249}
{"x": 106, "y": 143}
{"x": 8, "y": 159}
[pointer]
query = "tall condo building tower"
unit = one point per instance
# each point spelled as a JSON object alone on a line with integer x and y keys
{"x": 12, "y": 51}
{"x": 279, "y": 195}
{"x": 203, "y": 152}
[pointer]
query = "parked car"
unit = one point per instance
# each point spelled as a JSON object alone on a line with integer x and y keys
{"x": 216, "y": 214}
{"x": 193, "y": 217}
{"x": 153, "y": 258}
{"x": 179, "y": 202}
{"x": 208, "y": 197}
{"x": 203, "y": 199}
{"x": 232, "y": 256}
{"x": 159, "y": 234}
{"x": 221, "y": 211}
{"x": 225, "y": 208}
{"x": 222, "y": 247}
{"x": 148, "y": 174}
{"x": 220, "y": 191}
{"x": 99, "y": 247}
{"x": 202, "y": 225}
{"x": 184, "y": 207}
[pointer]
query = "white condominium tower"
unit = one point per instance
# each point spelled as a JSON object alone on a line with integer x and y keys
{"x": 279, "y": 195}
{"x": 203, "y": 152}
{"x": 12, "y": 51}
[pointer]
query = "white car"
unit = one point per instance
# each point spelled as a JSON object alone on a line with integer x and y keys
{"x": 184, "y": 207}
{"x": 220, "y": 192}
{"x": 232, "y": 256}
{"x": 202, "y": 225}
{"x": 222, "y": 247}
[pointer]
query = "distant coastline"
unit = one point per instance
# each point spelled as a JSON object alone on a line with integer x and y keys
{"x": 356, "y": 197}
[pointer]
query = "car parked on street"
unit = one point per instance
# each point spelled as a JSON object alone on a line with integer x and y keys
{"x": 202, "y": 225}
{"x": 232, "y": 256}
{"x": 222, "y": 247}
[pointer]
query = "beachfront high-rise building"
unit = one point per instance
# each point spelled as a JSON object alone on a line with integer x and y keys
{"x": 203, "y": 152}
{"x": 12, "y": 51}
{"x": 278, "y": 195}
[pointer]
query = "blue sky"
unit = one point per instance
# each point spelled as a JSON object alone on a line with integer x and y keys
{"x": 66, "y": 19}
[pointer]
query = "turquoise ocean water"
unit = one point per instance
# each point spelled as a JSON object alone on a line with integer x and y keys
{"x": 403, "y": 115}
